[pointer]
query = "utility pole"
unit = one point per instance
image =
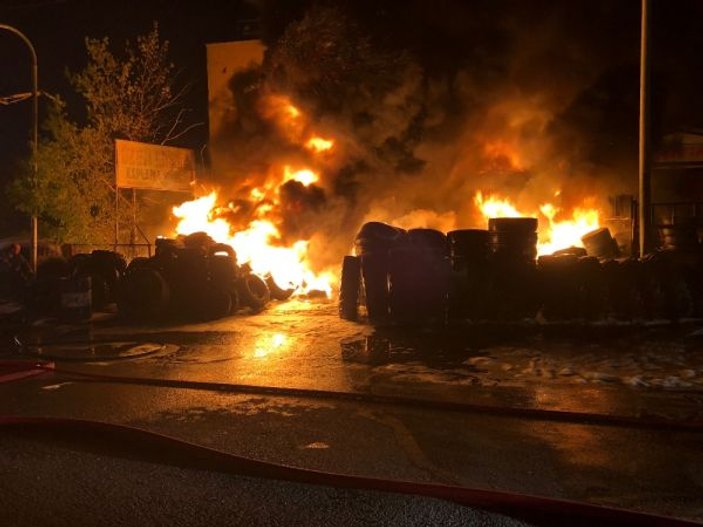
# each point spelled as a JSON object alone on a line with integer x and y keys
{"x": 645, "y": 190}
{"x": 35, "y": 131}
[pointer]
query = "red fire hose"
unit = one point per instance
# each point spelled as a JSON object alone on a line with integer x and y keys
{"x": 531, "y": 508}
{"x": 544, "y": 511}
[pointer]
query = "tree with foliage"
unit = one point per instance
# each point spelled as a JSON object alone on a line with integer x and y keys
{"x": 131, "y": 95}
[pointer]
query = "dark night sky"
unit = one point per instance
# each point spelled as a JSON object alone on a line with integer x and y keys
{"x": 58, "y": 28}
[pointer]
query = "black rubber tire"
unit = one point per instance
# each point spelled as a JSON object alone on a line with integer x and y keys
{"x": 101, "y": 292}
{"x": 212, "y": 303}
{"x": 277, "y": 292}
{"x": 53, "y": 268}
{"x": 234, "y": 300}
{"x": 199, "y": 240}
{"x": 253, "y": 292}
{"x": 138, "y": 263}
{"x": 517, "y": 226}
{"x": 223, "y": 248}
{"x": 429, "y": 239}
{"x": 350, "y": 288}
{"x": 80, "y": 264}
{"x": 468, "y": 243}
{"x": 144, "y": 295}
{"x": 222, "y": 270}
{"x": 374, "y": 271}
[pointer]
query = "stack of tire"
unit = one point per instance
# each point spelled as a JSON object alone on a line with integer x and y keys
{"x": 364, "y": 277}
{"x": 105, "y": 270}
{"x": 419, "y": 277}
{"x": 191, "y": 278}
{"x": 571, "y": 286}
{"x": 470, "y": 276}
{"x": 673, "y": 273}
{"x": 399, "y": 276}
{"x": 513, "y": 252}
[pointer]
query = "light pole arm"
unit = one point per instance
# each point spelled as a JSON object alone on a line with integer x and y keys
{"x": 35, "y": 128}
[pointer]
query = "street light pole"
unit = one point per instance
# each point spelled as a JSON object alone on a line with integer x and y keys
{"x": 35, "y": 129}
{"x": 645, "y": 190}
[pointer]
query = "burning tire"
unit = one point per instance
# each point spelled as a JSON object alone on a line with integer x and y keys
{"x": 145, "y": 295}
{"x": 349, "y": 288}
{"x": 253, "y": 292}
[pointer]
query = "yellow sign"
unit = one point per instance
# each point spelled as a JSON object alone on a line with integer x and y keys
{"x": 153, "y": 167}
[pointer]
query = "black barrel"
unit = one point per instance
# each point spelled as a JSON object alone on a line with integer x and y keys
{"x": 601, "y": 244}
{"x": 76, "y": 299}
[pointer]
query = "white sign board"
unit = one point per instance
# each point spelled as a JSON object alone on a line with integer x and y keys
{"x": 153, "y": 167}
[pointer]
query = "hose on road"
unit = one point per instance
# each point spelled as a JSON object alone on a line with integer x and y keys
{"x": 164, "y": 449}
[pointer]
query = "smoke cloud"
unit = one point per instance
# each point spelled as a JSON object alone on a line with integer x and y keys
{"x": 429, "y": 102}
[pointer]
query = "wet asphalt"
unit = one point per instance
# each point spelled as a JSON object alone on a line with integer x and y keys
{"x": 300, "y": 345}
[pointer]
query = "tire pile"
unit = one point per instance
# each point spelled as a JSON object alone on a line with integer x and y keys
{"x": 424, "y": 277}
{"x": 104, "y": 271}
{"x": 192, "y": 278}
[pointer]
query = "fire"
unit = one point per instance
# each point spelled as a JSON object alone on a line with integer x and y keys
{"x": 495, "y": 207}
{"x": 501, "y": 150}
{"x": 258, "y": 245}
{"x": 319, "y": 144}
{"x": 554, "y": 234}
{"x": 305, "y": 176}
{"x": 287, "y": 117}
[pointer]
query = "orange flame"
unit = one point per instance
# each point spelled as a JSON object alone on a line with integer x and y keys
{"x": 319, "y": 144}
{"x": 305, "y": 176}
{"x": 500, "y": 150}
{"x": 494, "y": 207}
{"x": 553, "y": 234}
{"x": 258, "y": 245}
